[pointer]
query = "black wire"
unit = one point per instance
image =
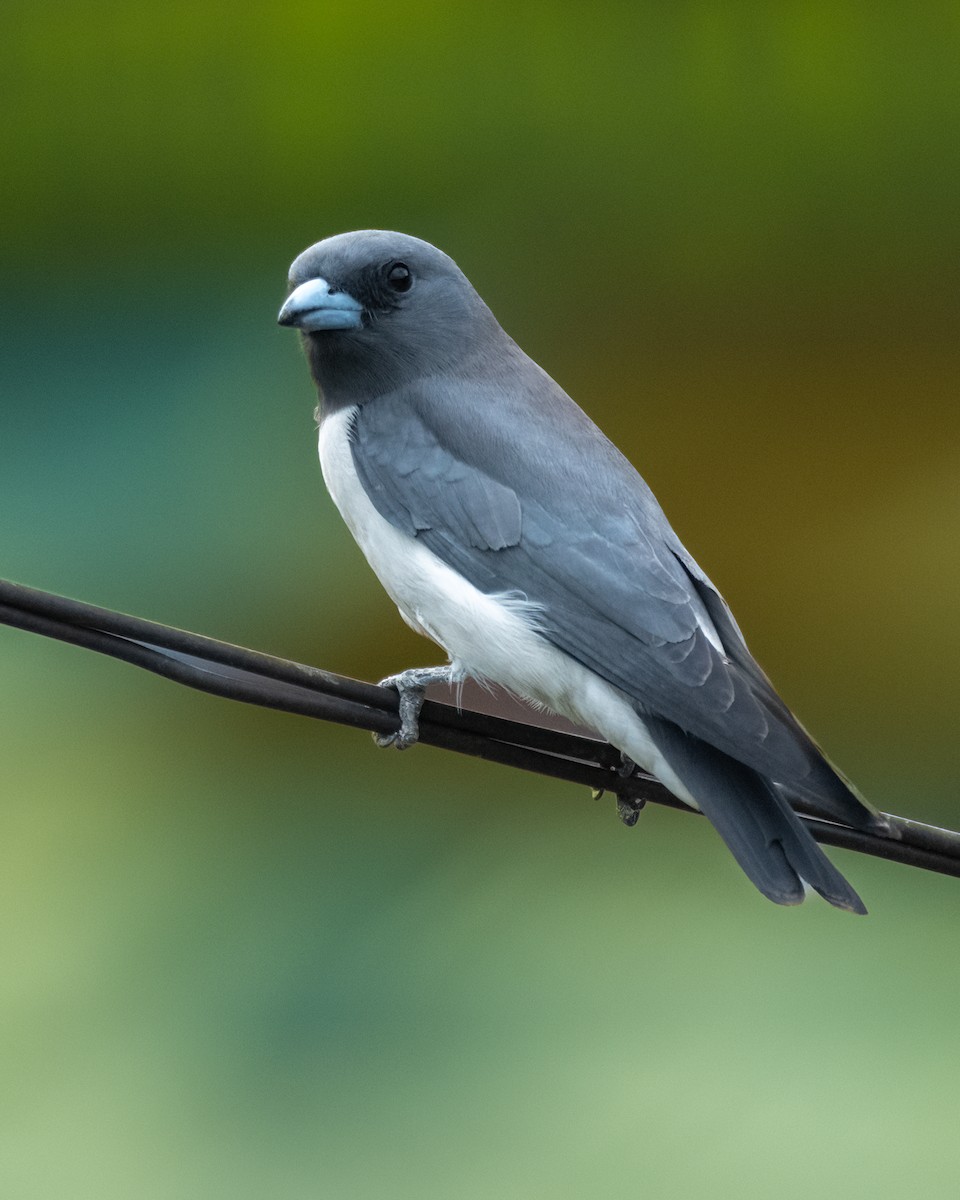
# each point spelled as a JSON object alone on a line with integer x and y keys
{"x": 272, "y": 682}
{"x": 237, "y": 673}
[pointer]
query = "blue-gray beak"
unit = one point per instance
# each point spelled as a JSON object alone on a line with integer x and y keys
{"x": 313, "y": 306}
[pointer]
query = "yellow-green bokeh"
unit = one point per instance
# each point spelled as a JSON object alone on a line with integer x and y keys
{"x": 245, "y": 954}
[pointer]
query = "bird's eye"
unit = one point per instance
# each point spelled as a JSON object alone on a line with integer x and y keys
{"x": 399, "y": 277}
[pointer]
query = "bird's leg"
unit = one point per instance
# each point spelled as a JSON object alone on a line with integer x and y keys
{"x": 411, "y": 686}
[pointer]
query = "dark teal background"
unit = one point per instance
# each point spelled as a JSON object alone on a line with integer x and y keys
{"x": 245, "y": 954}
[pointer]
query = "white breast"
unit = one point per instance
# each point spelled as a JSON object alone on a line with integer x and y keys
{"x": 491, "y": 637}
{"x": 480, "y": 633}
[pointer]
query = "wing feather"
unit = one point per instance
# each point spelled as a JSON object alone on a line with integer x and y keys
{"x": 588, "y": 544}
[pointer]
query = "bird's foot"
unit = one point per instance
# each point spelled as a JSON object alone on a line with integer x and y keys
{"x": 411, "y": 687}
{"x": 628, "y": 807}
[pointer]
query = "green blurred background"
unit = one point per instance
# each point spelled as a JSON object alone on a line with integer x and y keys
{"x": 244, "y": 953}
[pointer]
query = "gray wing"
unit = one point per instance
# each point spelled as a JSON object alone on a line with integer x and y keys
{"x": 578, "y": 532}
{"x": 405, "y": 472}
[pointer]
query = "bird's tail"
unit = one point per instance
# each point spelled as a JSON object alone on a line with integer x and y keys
{"x": 764, "y": 834}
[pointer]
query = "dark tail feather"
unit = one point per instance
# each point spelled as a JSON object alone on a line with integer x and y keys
{"x": 764, "y": 834}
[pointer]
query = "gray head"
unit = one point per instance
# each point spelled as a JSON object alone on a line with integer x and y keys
{"x": 377, "y": 309}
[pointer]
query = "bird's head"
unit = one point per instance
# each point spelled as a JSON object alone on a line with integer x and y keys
{"x": 378, "y": 309}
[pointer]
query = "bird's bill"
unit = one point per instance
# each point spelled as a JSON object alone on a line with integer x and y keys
{"x": 313, "y": 306}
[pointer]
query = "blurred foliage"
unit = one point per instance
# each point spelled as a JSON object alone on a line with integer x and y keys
{"x": 248, "y": 954}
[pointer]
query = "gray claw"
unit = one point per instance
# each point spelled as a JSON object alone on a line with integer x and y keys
{"x": 411, "y": 687}
{"x": 628, "y": 810}
{"x": 628, "y": 807}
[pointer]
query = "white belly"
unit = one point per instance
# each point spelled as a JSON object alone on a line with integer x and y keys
{"x": 489, "y": 637}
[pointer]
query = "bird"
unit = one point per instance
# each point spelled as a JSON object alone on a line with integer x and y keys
{"x": 511, "y": 531}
